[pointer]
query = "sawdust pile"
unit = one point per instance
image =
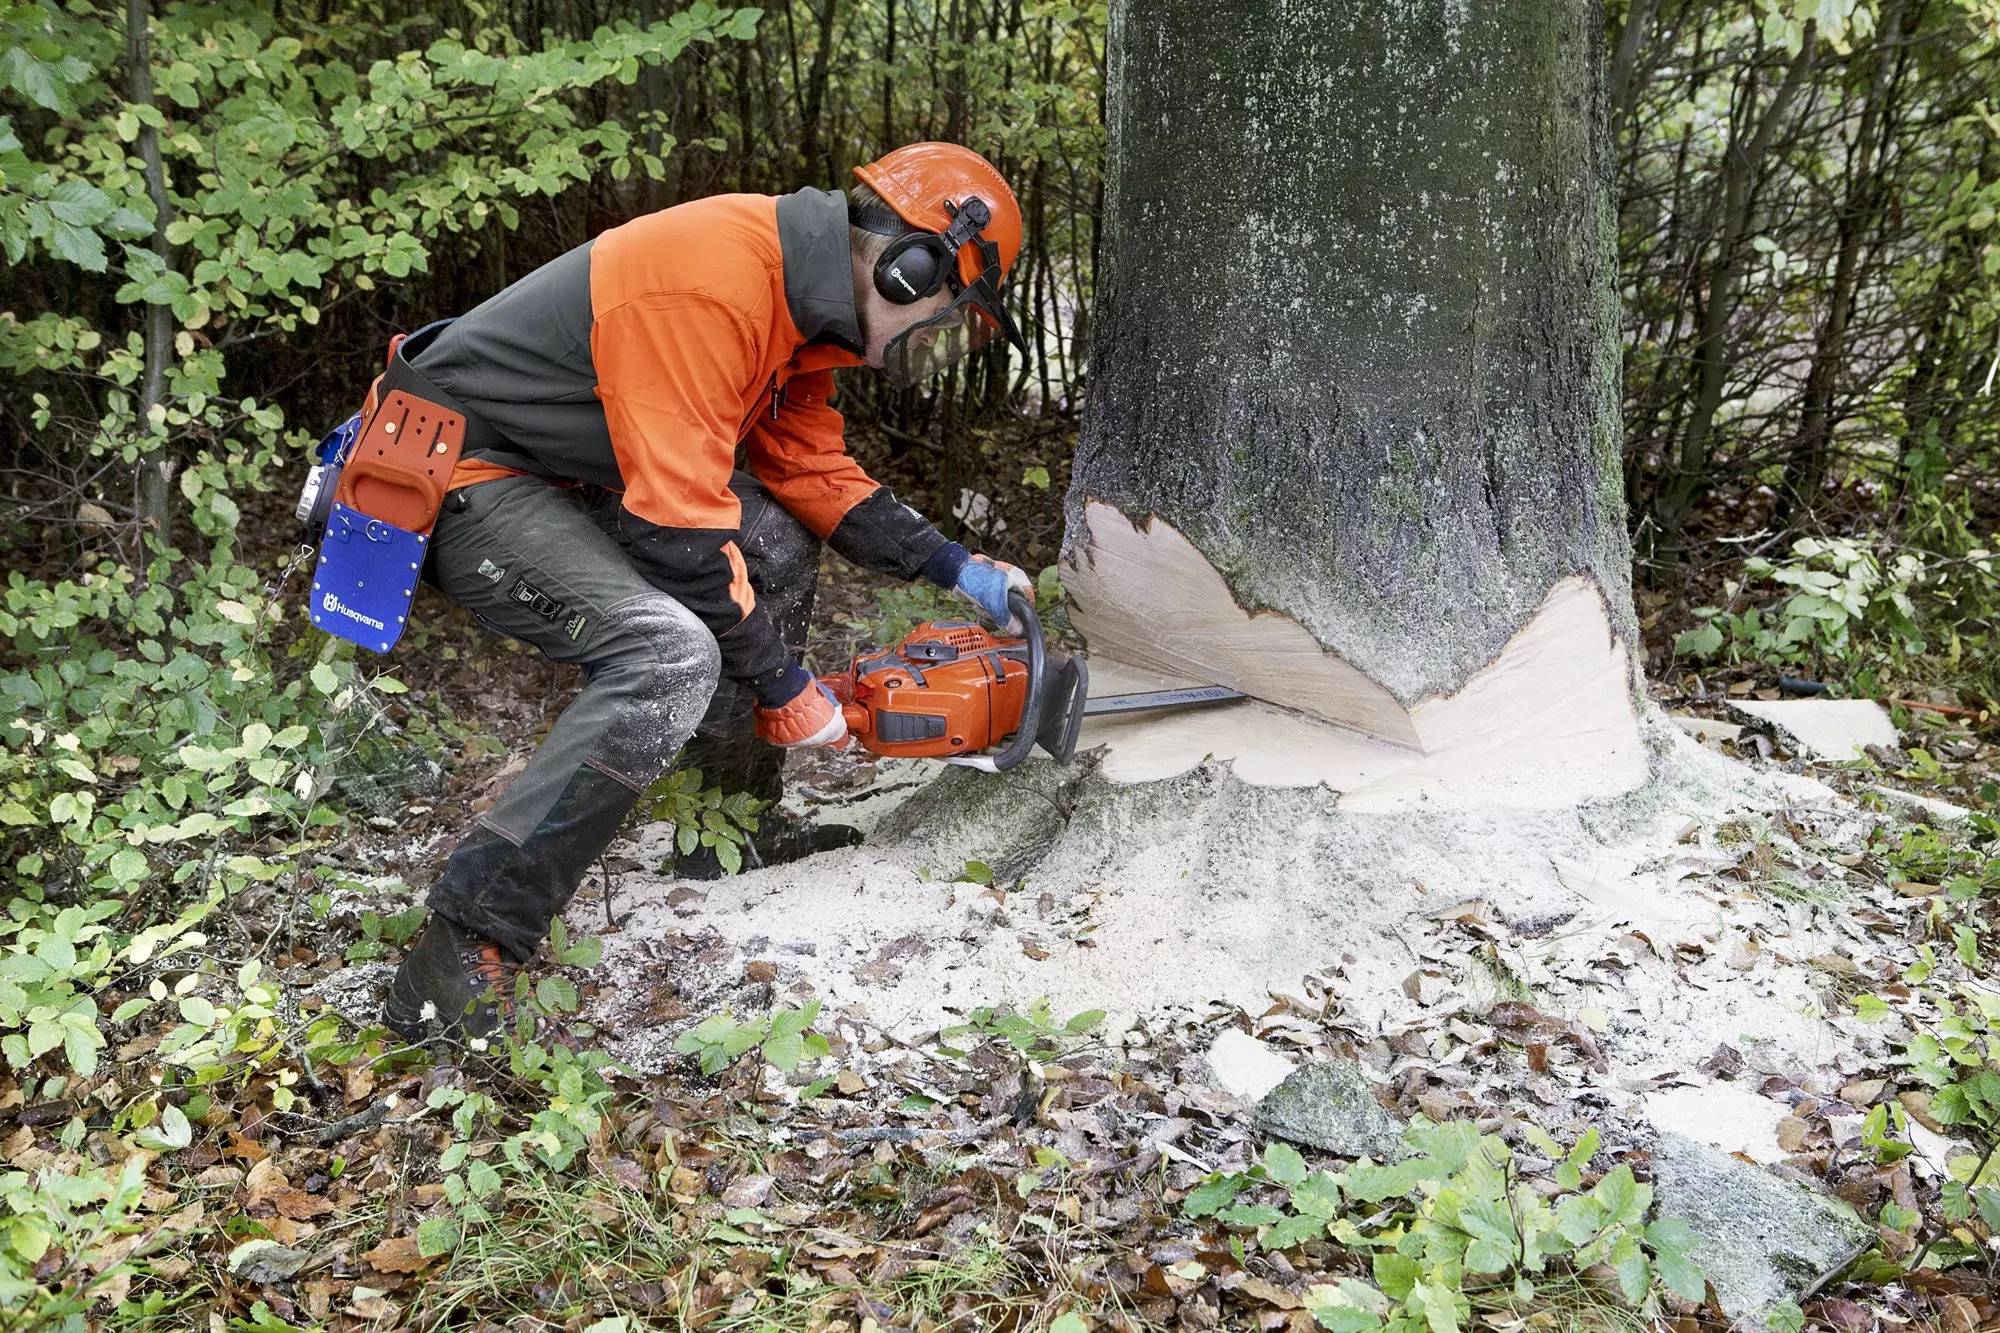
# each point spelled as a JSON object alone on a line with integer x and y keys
{"x": 1643, "y": 929}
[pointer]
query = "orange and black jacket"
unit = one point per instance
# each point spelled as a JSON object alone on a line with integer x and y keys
{"x": 642, "y": 360}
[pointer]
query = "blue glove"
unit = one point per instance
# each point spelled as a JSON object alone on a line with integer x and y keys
{"x": 985, "y": 583}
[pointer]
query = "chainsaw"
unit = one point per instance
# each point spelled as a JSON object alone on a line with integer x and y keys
{"x": 952, "y": 690}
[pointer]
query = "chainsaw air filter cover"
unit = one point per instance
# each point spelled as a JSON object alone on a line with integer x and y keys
{"x": 950, "y": 687}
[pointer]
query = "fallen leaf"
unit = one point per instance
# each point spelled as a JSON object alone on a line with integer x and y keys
{"x": 264, "y": 1178}
{"x": 1918, "y": 1104}
{"x": 1268, "y": 1292}
{"x": 265, "y": 1261}
{"x": 1792, "y": 1133}
{"x": 398, "y": 1254}
{"x": 1960, "y": 1315}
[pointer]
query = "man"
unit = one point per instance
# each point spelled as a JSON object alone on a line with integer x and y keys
{"x": 596, "y": 512}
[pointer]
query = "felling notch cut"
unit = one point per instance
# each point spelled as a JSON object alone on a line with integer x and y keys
{"x": 1550, "y": 720}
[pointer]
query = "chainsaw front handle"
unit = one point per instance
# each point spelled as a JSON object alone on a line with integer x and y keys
{"x": 1023, "y": 743}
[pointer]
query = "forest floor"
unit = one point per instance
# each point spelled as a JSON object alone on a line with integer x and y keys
{"x": 836, "y": 1112}
{"x": 1023, "y": 1161}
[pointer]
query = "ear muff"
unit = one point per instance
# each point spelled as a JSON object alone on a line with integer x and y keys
{"x": 912, "y": 268}
{"x": 917, "y": 264}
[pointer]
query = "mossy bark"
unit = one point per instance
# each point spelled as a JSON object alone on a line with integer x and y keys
{"x": 1357, "y": 333}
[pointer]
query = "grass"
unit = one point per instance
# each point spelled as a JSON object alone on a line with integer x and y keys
{"x": 598, "y": 1247}
{"x": 1563, "y": 1303}
{"x": 556, "y": 1247}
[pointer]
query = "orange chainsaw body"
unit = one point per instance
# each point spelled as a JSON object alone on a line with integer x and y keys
{"x": 951, "y": 687}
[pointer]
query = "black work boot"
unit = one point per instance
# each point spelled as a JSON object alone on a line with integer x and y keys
{"x": 451, "y": 984}
{"x": 780, "y": 838}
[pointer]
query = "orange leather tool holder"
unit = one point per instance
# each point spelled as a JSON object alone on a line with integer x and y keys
{"x": 401, "y": 465}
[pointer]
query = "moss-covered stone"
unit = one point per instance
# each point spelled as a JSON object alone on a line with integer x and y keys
{"x": 1759, "y": 1239}
{"x": 1331, "y": 1105}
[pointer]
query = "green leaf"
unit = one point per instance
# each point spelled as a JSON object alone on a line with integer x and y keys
{"x": 1213, "y": 1194}
{"x": 1672, "y": 1239}
{"x": 1623, "y": 1199}
{"x": 76, "y": 245}
{"x": 323, "y": 678}
{"x": 171, "y": 1134}
{"x": 1295, "y": 1229}
{"x": 1283, "y": 1164}
{"x": 1439, "y": 1304}
{"x": 1396, "y": 1274}
{"x": 1579, "y": 1219}
{"x": 584, "y": 953}
{"x": 438, "y": 1235}
{"x": 1703, "y": 642}
{"x": 1785, "y": 1317}
{"x": 127, "y": 865}
{"x": 556, "y": 994}
{"x": 1250, "y": 1215}
{"x": 481, "y": 1178}
{"x": 784, "y": 1050}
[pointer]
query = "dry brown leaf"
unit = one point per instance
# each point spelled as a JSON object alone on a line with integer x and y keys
{"x": 1918, "y": 1104}
{"x": 1792, "y": 1133}
{"x": 1269, "y": 1293}
{"x": 264, "y": 1179}
{"x": 1863, "y": 1091}
{"x": 398, "y": 1254}
{"x": 1960, "y": 1315}
{"x": 370, "y": 1304}
{"x": 299, "y": 1205}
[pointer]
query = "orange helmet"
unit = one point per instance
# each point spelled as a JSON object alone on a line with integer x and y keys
{"x": 919, "y": 179}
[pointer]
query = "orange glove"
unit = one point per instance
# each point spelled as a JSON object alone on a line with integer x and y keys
{"x": 811, "y": 717}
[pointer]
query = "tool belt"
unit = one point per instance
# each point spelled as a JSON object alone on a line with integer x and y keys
{"x": 375, "y": 493}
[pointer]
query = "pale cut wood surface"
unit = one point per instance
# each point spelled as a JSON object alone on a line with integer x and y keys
{"x": 1149, "y": 599}
{"x": 1550, "y": 721}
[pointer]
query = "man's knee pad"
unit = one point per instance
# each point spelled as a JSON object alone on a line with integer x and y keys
{"x": 665, "y": 674}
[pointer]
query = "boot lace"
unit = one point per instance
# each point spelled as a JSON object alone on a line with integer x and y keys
{"x": 486, "y": 962}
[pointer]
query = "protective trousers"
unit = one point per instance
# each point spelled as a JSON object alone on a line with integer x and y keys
{"x": 547, "y": 565}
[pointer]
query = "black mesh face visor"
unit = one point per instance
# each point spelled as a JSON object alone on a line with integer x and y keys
{"x": 972, "y": 320}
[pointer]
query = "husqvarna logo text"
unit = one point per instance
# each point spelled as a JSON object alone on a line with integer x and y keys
{"x": 334, "y": 606}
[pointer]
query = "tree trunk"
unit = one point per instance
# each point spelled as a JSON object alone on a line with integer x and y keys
{"x": 1810, "y": 455}
{"x": 1353, "y": 444}
{"x": 152, "y": 481}
{"x": 1743, "y": 166}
